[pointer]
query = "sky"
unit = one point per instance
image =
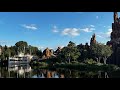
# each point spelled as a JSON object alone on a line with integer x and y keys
{"x": 53, "y": 29}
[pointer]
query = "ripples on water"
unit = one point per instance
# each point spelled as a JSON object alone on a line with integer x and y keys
{"x": 25, "y": 71}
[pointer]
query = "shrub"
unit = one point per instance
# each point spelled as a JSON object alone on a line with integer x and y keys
{"x": 90, "y": 61}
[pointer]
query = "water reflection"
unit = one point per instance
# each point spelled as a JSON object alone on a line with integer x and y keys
{"x": 19, "y": 71}
{"x": 25, "y": 71}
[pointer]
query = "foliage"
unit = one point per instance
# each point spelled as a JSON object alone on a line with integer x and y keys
{"x": 69, "y": 53}
{"x": 21, "y": 46}
{"x": 90, "y": 61}
{"x": 100, "y": 50}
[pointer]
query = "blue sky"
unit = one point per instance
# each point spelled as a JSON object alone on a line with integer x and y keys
{"x": 53, "y": 29}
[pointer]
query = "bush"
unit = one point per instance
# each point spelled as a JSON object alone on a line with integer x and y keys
{"x": 90, "y": 61}
{"x": 42, "y": 64}
{"x": 73, "y": 62}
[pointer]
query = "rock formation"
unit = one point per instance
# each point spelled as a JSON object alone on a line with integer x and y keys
{"x": 46, "y": 53}
{"x": 115, "y": 40}
{"x": 93, "y": 39}
{"x": 58, "y": 51}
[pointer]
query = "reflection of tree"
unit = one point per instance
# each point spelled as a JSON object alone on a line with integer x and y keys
{"x": 4, "y": 72}
{"x": 67, "y": 73}
{"x": 74, "y": 74}
{"x": 102, "y": 74}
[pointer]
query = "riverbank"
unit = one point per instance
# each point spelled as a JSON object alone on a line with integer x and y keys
{"x": 77, "y": 66}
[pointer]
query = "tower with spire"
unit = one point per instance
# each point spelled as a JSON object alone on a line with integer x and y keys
{"x": 93, "y": 39}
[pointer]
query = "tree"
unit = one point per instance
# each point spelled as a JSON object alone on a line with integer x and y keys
{"x": 21, "y": 46}
{"x": 13, "y": 50}
{"x": 39, "y": 53}
{"x": 101, "y": 51}
{"x": 106, "y": 52}
{"x": 96, "y": 51}
{"x": 84, "y": 50}
{"x": 69, "y": 53}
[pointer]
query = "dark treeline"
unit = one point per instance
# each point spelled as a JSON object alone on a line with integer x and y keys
{"x": 95, "y": 52}
{"x": 19, "y": 47}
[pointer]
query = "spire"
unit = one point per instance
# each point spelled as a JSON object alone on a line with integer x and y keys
{"x": 115, "y": 16}
{"x": 93, "y": 39}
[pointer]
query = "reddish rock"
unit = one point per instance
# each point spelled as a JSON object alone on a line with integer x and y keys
{"x": 93, "y": 39}
{"x": 46, "y": 53}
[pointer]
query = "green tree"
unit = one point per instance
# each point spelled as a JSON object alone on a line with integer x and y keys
{"x": 101, "y": 51}
{"x": 13, "y": 50}
{"x": 39, "y": 53}
{"x": 21, "y": 46}
{"x": 85, "y": 51}
{"x": 69, "y": 53}
{"x": 96, "y": 51}
{"x": 106, "y": 52}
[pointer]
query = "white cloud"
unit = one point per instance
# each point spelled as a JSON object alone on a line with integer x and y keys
{"x": 109, "y": 32}
{"x": 108, "y": 27}
{"x": 30, "y": 27}
{"x": 55, "y": 30}
{"x": 92, "y": 26}
{"x": 105, "y": 35}
{"x": 41, "y": 48}
{"x": 97, "y": 17}
{"x": 100, "y": 36}
{"x": 71, "y": 32}
{"x": 88, "y": 29}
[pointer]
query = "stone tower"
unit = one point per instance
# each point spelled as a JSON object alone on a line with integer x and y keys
{"x": 93, "y": 39}
{"x": 115, "y": 40}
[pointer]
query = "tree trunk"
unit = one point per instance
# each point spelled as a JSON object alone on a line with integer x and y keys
{"x": 99, "y": 74}
{"x": 106, "y": 75}
{"x": 104, "y": 60}
{"x": 69, "y": 60}
{"x": 98, "y": 59}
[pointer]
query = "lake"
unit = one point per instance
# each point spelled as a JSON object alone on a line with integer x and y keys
{"x": 25, "y": 71}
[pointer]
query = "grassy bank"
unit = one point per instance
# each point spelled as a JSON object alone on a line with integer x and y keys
{"x": 87, "y": 67}
{"x": 76, "y": 66}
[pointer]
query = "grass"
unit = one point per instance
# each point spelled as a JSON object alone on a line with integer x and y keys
{"x": 77, "y": 66}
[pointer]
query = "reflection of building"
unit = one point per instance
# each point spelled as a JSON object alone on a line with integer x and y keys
{"x": 46, "y": 74}
{"x": 19, "y": 71}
